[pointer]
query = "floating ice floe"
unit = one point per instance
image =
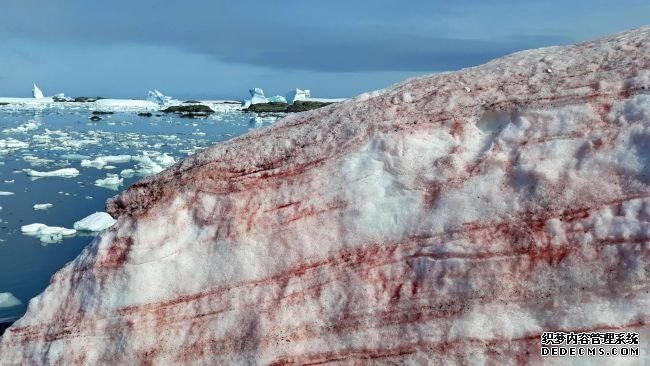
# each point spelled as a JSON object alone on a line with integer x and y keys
{"x": 65, "y": 173}
{"x": 127, "y": 173}
{"x": 27, "y": 126}
{"x": 12, "y": 144}
{"x": 99, "y": 221}
{"x": 42, "y": 206}
{"x": 47, "y": 234}
{"x": 4, "y": 193}
{"x": 151, "y": 163}
{"x": 112, "y": 182}
{"x": 36, "y": 161}
{"x": 101, "y": 161}
{"x": 8, "y": 300}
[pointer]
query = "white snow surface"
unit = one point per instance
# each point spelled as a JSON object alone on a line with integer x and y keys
{"x": 419, "y": 224}
{"x": 99, "y": 221}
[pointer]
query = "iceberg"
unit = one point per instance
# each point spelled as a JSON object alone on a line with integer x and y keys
{"x": 99, "y": 221}
{"x": 159, "y": 98}
{"x": 8, "y": 300}
{"x": 449, "y": 219}
{"x": 257, "y": 96}
{"x": 298, "y": 94}
{"x": 37, "y": 93}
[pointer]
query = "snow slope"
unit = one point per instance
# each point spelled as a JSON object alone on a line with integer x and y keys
{"x": 450, "y": 219}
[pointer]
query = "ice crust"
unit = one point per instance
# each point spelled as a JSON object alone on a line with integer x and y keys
{"x": 449, "y": 219}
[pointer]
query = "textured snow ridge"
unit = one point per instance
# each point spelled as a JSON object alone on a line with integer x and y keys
{"x": 450, "y": 219}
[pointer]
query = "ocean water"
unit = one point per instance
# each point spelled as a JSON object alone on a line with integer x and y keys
{"x": 61, "y": 139}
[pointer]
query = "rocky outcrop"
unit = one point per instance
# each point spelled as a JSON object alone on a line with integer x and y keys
{"x": 450, "y": 219}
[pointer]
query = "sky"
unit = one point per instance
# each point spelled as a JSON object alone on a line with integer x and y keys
{"x": 220, "y": 49}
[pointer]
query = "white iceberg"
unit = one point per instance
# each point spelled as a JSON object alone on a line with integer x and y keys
{"x": 47, "y": 234}
{"x": 4, "y": 193}
{"x": 159, "y": 98}
{"x": 65, "y": 173}
{"x": 37, "y": 93}
{"x": 298, "y": 94}
{"x": 8, "y": 300}
{"x": 257, "y": 96}
{"x": 99, "y": 221}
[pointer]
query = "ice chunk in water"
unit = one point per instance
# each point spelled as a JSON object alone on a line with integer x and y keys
{"x": 8, "y": 300}
{"x": 99, "y": 221}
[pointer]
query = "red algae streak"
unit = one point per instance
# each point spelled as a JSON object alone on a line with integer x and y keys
{"x": 451, "y": 219}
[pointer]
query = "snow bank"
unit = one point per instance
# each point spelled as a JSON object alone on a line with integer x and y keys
{"x": 450, "y": 219}
{"x": 99, "y": 221}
